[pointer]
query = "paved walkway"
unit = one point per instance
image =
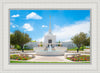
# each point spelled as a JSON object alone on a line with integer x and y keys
{"x": 49, "y": 59}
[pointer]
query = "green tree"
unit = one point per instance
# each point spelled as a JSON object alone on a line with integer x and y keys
{"x": 41, "y": 43}
{"x": 19, "y": 38}
{"x": 12, "y": 39}
{"x": 87, "y": 42}
{"x": 80, "y": 40}
{"x": 33, "y": 41}
{"x": 17, "y": 47}
{"x": 59, "y": 43}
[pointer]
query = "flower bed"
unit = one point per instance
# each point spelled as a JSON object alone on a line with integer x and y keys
{"x": 20, "y": 57}
{"x": 79, "y": 58}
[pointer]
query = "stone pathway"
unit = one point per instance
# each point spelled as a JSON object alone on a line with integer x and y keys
{"x": 49, "y": 59}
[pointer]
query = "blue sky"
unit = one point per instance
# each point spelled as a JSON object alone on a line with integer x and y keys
{"x": 64, "y": 23}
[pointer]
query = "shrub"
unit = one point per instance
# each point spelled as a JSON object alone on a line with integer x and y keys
{"x": 41, "y": 45}
{"x": 25, "y": 47}
{"x": 83, "y": 47}
{"x": 75, "y": 49}
{"x": 17, "y": 47}
{"x": 58, "y": 44}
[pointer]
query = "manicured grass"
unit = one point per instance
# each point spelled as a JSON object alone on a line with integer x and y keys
{"x": 44, "y": 62}
{"x": 26, "y": 50}
{"x": 71, "y": 49}
{"x": 75, "y": 49}
{"x": 79, "y": 58}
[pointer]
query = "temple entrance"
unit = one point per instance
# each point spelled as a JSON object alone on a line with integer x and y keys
{"x": 49, "y": 41}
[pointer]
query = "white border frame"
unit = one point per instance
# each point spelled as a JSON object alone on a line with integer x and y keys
{"x": 82, "y": 4}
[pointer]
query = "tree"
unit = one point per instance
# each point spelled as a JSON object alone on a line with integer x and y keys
{"x": 87, "y": 43}
{"x": 41, "y": 44}
{"x": 33, "y": 41}
{"x": 80, "y": 40}
{"x": 18, "y": 47}
{"x": 59, "y": 43}
{"x": 19, "y": 38}
{"x": 12, "y": 39}
{"x": 88, "y": 39}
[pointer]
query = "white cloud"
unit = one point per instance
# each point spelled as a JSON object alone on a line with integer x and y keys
{"x": 11, "y": 23}
{"x": 17, "y": 15}
{"x": 28, "y": 27}
{"x": 12, "y": 19}
{"x": 33, "y": 15}
{"x": 40, "y": 39}
{"x": 13, "y": 26}
{"x": 87, "y": 18}
{"x": 16, "y": 25}
{"x": 11, "y": 32}
{"x": 67, "y": 32}
{"x": 44, "y": 26}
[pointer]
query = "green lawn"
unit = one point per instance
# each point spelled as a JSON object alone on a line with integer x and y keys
{"x": 26, "y": 50}
{"x": 75, "y": 49}
{"x": 44, "y": 62}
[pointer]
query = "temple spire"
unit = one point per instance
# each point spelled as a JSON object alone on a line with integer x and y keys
{"x": 50, "y": 25}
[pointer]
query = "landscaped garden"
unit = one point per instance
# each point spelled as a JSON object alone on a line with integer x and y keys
{"x": 18, "y": 44}
{"x": 79, "y": 58}
{"x": 20, "y": 57}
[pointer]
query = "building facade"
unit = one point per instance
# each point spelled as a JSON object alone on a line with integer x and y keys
{"x": 50, "y": 39}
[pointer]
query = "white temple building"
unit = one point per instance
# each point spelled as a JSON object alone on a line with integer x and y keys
{"x": 50, "y": 38}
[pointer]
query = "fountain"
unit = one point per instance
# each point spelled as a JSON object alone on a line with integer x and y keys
{"x": 49, "y": 48}
{"x": 49, "y": 41}
{"x": 49, "y": 51}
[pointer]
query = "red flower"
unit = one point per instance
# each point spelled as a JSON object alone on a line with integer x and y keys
{"x": 75, "y": 59}
{"x": 81, "y": 59}
{"x": 85, "y": 58}
{"x": 25, "y": 58}
{"x": 16, "y": 59}
{"x": 72, "y": 59}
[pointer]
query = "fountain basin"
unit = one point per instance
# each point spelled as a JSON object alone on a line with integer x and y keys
{"x": 49, "y": 52}
{"x": 52, "y": 53}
